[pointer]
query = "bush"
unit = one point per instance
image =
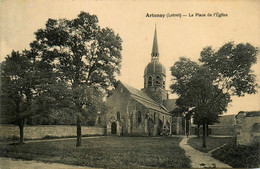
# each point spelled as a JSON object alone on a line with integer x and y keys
{"x": 239, "y": 156}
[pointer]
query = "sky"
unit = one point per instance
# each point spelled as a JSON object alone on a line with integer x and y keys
{"x": 177, "y": 36}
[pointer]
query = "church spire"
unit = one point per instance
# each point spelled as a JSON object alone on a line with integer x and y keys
{"x": 155, "y": 51}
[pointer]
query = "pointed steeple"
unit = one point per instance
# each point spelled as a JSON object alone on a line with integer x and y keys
{"x": 155, "y": 51}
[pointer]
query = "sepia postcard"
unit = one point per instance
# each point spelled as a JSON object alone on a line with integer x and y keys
{"x": 129, "y": 84}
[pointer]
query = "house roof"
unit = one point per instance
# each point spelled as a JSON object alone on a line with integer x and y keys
{"x": 144, "y": 99}
{"x": 252, "y": 113}
{"x": 249, "y": 113}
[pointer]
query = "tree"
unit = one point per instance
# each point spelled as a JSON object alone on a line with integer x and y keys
{"x": 29, "y": 89}
{"x": 48, "y": 102}
{"x": 205, "y": 88}
{"x": 231, "y": 66}
{"x": 198, "y": 92}
{"x": 82, "y": 54}
{"x": 17, "y": 84}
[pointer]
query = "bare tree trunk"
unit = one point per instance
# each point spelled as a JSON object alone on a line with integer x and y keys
{"x": 207, "y": 129}
{"x": 187, "y": 127}
{"x": 21, "y": 127}
{"x": 204, "y": 135}
{"x": 198, "y": 134}
{"x": 78, "y": 132}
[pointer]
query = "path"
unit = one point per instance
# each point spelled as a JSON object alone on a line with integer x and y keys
{"x": 9, "y": 163}
{"x": 200, "y": 159}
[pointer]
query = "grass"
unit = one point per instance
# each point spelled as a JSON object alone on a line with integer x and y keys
{"x": 239, "y": 156}
{"x": 211, "y": 142}
{"x": 106, "y": 152}
{"x": 12, "y": 138}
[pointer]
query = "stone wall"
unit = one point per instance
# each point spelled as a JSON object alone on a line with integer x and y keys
{"x": 36, "y": 132}
{"x": 215, "y": 130}
{"x": 248, "y": 127}
{"x": 225, "y": 127}
{"x": 222, "y": 130}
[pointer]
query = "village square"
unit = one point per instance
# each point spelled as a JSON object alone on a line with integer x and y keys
{"x": 89, "y": 92}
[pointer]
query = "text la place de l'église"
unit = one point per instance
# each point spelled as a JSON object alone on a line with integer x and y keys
{"x": 155, "y": 15}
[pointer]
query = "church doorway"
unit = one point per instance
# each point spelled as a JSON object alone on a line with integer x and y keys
{"x": 160, "y": 127}
{"x": 113, "y": 128}
{"x": 150, "y": 127}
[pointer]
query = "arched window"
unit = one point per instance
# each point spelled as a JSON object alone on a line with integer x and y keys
{"x": 163, "y": 84}
{"x": 150, "y": 81}
{"x": 154, "y": 116}
{"x": 118, "y": 115}
{"x": 158, "y": 81}
{"x": 139, "y": 117}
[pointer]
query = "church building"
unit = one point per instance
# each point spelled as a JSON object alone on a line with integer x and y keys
{"x": 144, "y": 112}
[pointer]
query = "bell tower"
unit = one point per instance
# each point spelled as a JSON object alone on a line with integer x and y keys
{"x": 155, "y": 75}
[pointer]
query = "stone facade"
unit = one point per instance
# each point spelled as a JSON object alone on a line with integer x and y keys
{"x": 248, "y": 127}
{"x": 178, "y": 125}
{"x": 132, "y": 112}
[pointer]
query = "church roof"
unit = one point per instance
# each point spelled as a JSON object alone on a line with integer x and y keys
{"x": 155, "y": 67}
{"x": 170, "y": 104}
{"x": 155, "y": 50}
{"x": 144, "y": 99}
